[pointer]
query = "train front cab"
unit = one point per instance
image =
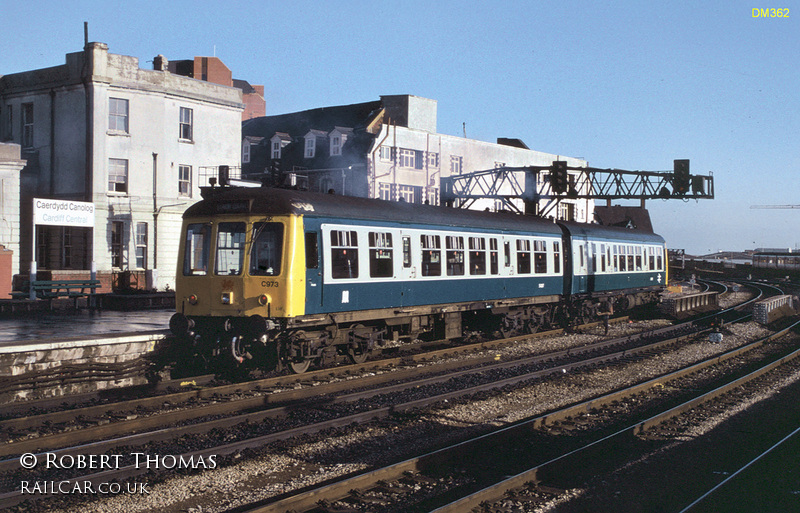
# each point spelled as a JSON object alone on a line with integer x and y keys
{"x": 238, "y": 277}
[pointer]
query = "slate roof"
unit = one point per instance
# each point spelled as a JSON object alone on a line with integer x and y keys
{"x": 297, "y": 124}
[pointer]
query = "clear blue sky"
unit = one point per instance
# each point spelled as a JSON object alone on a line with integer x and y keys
{"x": 622, "y": 84}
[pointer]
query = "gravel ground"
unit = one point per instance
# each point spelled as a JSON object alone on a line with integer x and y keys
{"x": 297, "y": 463}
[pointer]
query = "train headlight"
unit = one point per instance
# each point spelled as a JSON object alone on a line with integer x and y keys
{"x": 263, "y": 299}
{"x": 227, "y": 298}
{"x": 193, "y": 299}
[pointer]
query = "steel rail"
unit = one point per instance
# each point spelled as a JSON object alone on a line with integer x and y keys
{"x": 497, "y": 491}
{"x": 340, "y": 489}
{"x": 320, "y": 395}
{"x": 10, "y": 498}
{"x": 342, "y": 421}
{"x": 291, "y": 380}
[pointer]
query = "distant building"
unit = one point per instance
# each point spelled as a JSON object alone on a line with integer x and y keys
{"x": 211, "y": 69}
{"x": 387, "y": 149}
{"x": 10, "y": 167}
{"x": 134, "y": 142}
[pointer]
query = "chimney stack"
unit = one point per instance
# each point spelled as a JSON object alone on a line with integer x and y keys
{"x": 160, "y": 63}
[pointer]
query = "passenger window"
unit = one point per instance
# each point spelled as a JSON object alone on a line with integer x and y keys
{"x": 494, "y": 260}
{"x": 556, "y": 257}
{"x": 344, "y": 254}
{"x": 507, "y": 254}
{"x": 266, "y": 250}
{"x": 380, "y": 255}
{"x": 477, "y": 256}
{"x": 312, "y": 251}
{"x": 406, "y": 251}
{"x": 196, "y": 249}
{"x": 431, "y": 255}
{"x": 523, "y": 257}
{"x": 539, "y": 257}
{"x": 230, "y": 249}
{"x": 455, "y": 255}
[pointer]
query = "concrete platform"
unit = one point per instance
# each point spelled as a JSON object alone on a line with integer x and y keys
{"x": 43, "y": 369}
{"x": 52, "y": 354}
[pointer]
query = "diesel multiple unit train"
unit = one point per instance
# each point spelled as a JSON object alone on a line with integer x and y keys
{"x": 276, "y": 278}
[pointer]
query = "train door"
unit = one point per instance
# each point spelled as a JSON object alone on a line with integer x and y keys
{"x": 409, "y": 267}
{"x": 313, "y": 250}
{"x": 580, "y": 265}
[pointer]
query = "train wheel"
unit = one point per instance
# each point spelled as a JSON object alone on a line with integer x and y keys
{"x": 356, "y": 356}
{"x": 359, "y": 347}
{"x": 300, "y": 367}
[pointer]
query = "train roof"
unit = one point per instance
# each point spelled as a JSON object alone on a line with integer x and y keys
{"x": 271, "y": 201}
{"x": 612, "y": 233}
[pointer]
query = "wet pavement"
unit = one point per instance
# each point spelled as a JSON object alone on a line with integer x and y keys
{"x": 54, "y": 326}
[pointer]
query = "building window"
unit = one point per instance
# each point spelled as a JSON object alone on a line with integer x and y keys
{"x": 67, "y": 248}
{"x": 117, "y": 175}
{"x": 336, "y": 145}
{"x": 118, "y": 115}
{"x": 27, "y": 125}
{"x": 42, "y": 247}
{"x": 311, "y": 145}
{"x": 385, "y": 191}
{"x": 456, "y": 165}
{"x": 406, "y": 193}
{"x": 386, "y": 153}
{"x": 186, "y": 124}
{"x": 246, "y": 153}
{"x": 185, "y": 181}
{"x": 141, "y": 245}
{"x": 276, "y": 150}
{"x": 116, "y": 244}
{"x": 433, "y": 195}
{"x": 433, "y": 160}
{"x": 9, "y": 124}
{"x": 407, "y": 158}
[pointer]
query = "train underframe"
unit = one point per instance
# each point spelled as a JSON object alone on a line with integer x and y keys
{"x": 240, "y": 344}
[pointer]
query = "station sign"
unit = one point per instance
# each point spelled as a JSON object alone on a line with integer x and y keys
{"x": 63, "y": 213}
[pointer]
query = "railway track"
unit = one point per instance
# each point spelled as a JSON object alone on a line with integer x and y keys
{"x": 371, "y": 413}
{"x": 394, "y": 487}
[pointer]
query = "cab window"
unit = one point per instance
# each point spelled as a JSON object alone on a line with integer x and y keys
{"x": 230, "y": 249}
{"x": 266, "y": 250}
{"x": 196, "y": 249}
